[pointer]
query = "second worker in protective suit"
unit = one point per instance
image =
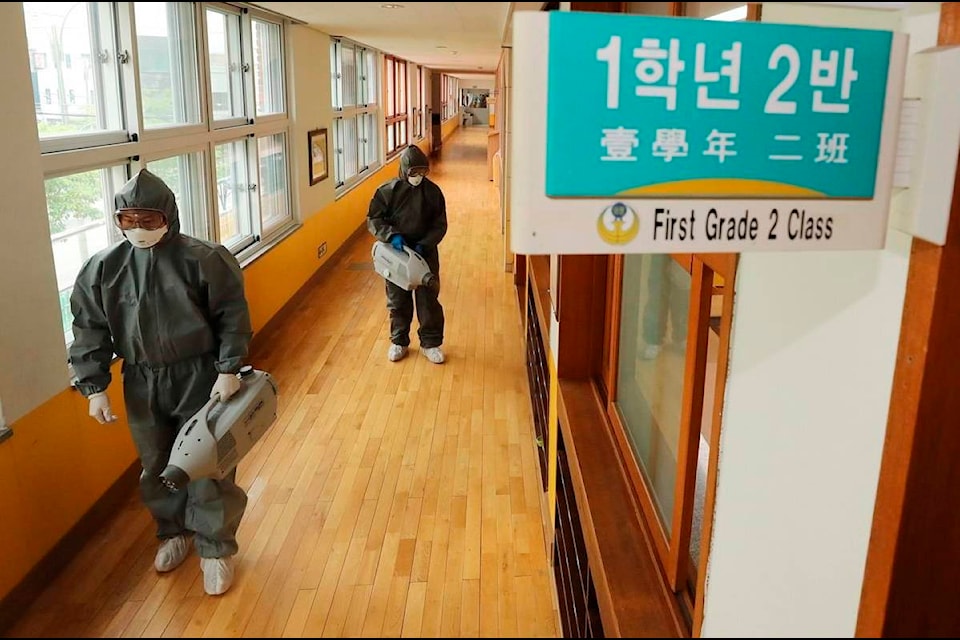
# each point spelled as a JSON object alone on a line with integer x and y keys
{"x": 410, "y": 210}
{"x": 173, "y": 308}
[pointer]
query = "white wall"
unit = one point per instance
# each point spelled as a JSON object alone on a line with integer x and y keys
{"x": 312, "y": 109}
{"x": 33, "y": 365}
{"x": 813, "y": 351}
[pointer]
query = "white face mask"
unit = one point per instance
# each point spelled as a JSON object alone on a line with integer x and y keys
{"x": 143, "y": 239}
{"x": 415, "y": 180}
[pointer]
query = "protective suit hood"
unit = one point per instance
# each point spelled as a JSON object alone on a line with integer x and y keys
{"x": 147, "y": 191}
{"x": 412, "y": 157}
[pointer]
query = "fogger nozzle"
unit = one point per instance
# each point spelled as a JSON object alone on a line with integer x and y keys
{"x": 174, "y": 478}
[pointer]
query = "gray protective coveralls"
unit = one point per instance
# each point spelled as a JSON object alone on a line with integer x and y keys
{"x": 177, "y": 315}
{"x": 419, "y": 215}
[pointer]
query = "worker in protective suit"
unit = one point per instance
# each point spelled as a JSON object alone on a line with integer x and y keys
{"x": 410, "y": 210}
{"x": 173, "y": 308}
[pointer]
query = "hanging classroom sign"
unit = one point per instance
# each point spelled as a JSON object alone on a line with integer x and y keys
{"x": 645, "y": 134}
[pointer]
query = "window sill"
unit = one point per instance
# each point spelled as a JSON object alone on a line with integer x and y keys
{"x": 633, "y": 597}
{"x": 372, "y": 171}
{"x": 252, "y": 254}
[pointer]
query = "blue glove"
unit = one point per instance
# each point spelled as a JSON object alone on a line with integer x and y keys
{"x": 419, "y": 249}
{"x": 397, "y": 241}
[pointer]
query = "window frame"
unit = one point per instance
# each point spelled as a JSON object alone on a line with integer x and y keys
{"x": 366, "y": 117}
{"x": 178, "y": 130}
{"x": 136, "y": 145}
{"x": 672, "y": 550}
{"x": 397, "y": 112}
{"x": 449, "y": 96}
{"x": 416, "y": 105}
{"x": 245, "y": 50}
{"x": 425, "y": 79}
{"x": 118, "y": 16}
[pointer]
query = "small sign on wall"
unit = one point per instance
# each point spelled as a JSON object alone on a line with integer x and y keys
{"x": 643, "y": 134}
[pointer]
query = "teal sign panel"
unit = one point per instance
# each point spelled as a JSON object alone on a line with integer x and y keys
{"x": 643, "y": 106}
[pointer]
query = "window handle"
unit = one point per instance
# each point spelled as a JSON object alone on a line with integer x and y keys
{"x": 252, "y": 187}
{"x": 245, "y": 67}
{"x": 123, "y": 57}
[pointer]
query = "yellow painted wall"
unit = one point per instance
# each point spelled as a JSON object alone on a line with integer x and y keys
{"x": 447, "y": 128}
{"x": 56, "y": 466}
{"x": 60, "y": 462}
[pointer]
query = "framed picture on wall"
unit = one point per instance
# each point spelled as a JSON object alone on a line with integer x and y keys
{"x": 319, "y": 167}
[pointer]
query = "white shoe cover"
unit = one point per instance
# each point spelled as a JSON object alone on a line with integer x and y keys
{"x": 434, "y": 355}
{"x": 171, "y": 554}
{"x": 396, "y": 352}
{"x": 217, "y": 575}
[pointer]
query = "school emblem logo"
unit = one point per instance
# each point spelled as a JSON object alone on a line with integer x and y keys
{"x": 618, "y": 224}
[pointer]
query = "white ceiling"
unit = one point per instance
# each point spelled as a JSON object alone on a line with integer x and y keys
{"x": 454, "y": 36}
{"x": 462, "y": 38}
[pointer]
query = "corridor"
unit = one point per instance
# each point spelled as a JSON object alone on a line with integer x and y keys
{"x": 389, "y": 499}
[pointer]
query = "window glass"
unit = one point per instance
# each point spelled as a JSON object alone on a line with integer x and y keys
{"x": 267, "y": 68}
{"x": 226, "y": 66}
{"x": 80, "y": 212}
{"x": 233, "y": 194}
{"x": 167, "y": 62}
{"x": 653, "y": 330}
{"x": 73, "y": 67}
{"x": 274, "y": 195}
{"x": 184, "y": 175}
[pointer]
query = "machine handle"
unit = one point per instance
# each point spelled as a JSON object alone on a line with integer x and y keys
{"x": 207, "y": 408}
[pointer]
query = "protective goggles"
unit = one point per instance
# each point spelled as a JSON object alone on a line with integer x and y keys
{"x": 418, "y": 171}
{"x": 148, "y": 219}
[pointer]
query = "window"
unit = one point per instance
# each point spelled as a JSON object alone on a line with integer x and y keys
{"x": 356, "y": 139}
{"x": 226, "y": 65}
{"x": 80, "y": 211}
{"x": 424, "y": 100}
{"x": 449, "y": 96}
{"x": 653, "y": 340}
{"x": 418, "y": 102}
{"x": 86, "y": 31}
{"x": 167, "y": 63}
{"x": 395, "y": 105}
{"x": 267, "y": 68}
{"x": 665, "y": 375}
{"x": 233, "y": 204}
{"x": 273, "y": 185}
{"x": 444, "y": 81}
{"x": 184, "y": 175}
{"x": 195, "y": 92}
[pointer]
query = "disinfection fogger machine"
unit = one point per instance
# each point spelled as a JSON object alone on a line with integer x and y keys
{"x": 407, "y": 269}
{"x": 220, "y": 434}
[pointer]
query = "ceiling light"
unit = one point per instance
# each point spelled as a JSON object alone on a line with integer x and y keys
{"x": 391, "y": 6}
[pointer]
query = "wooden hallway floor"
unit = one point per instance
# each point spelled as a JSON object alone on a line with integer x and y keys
{"x": 389, "y": 499}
